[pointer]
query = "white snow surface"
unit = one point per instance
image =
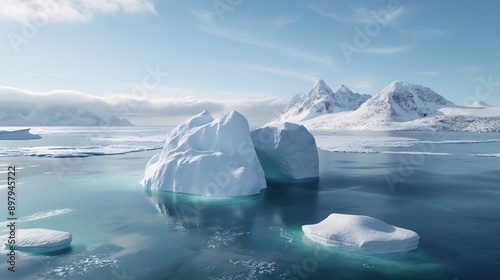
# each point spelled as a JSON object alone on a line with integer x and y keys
{"x": 360, "y": 144}
{"x": 21, "y": 134}
{"x": 40, "y": 240}
{"x": 207, "y": 156}
{"x": 341, "y": 143}
{"x": 286, "y": 151}
{"x": 74, "y": 151}
{"x": 361, "y": 233}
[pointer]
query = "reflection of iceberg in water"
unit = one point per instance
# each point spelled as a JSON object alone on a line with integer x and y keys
{"x": 220, "y": 221}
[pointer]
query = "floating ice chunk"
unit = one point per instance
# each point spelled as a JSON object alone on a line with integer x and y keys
{"x": 21, "y": 134}
{"x": 361, "y": 233}
{"x": 40, "y": 240}
{"x": 484, "y": 155}
{"x": 286, "y": 151}
{"x": 417, "y": 153}
{"x": 207, "y": 156}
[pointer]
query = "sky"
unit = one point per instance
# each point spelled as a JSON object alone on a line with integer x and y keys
{"x": 248, "y": 53}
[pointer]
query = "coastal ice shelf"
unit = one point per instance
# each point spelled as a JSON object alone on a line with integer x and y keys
{"x": 207, "y": 156}
{"x": 362, "y": 234}
{"x": 21, "y": 134}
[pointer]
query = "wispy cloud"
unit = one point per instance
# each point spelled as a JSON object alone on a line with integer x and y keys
{"x": 388, "y": 50}
{"x": 429, "y": 73}
{"x": 472, "y": 69}
{"x": 75, "y": 10}
{"x": 321, "y": 11}
{"x": 208, "y": 25}
{"x": 286, "y": 72}
{"x": 359, "y": 14}
{"x": 423, "y": 32}
{"x": 362, "y": 15}
{"x": 281, "y": 21}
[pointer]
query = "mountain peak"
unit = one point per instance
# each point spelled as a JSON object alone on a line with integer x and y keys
{"x": 344, "y": 90}
{"x": 319, "y": 84}
{"x": 322, "y": 100}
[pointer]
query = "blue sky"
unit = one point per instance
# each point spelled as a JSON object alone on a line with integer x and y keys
{"x": 242, "y": 49}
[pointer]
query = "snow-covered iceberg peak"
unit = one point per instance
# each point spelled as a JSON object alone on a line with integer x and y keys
{"x": 207, "y": 156}
{"x": 286, "y": 151}
{"x": 361, "y": 233}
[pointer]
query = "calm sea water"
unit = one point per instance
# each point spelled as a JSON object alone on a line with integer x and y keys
{"x": 121, "y": 231}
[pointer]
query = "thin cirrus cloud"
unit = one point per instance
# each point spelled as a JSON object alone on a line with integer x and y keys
{"x": 75, "y": 10}
{"x": 208, "y": 25}
{"x": 359, "y": 14}
{"x": 388, "y": 50}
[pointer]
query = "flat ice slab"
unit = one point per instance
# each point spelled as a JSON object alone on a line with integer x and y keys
{"x": 40, "y": 240}
{"x": 207, "y": 156}
{"x": 286, "y": 151}
{"x": 21, "y": 134}
{"x": 361, "y": 233}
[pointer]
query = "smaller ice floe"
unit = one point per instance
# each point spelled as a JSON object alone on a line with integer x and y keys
{"x": 417, "y": 153}
{"x": 39, "y": 240}
{"x": 484, "y": 155}
{"x": 21, "y": 134}
{"x": 286, "y": 151}
{"x": 74, "y": 151}
{"x": 361, "y": 233}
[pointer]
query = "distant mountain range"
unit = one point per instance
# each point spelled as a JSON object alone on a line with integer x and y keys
{"x": 29, "y": 114}
{"x": 399, "y": 106}
{"x": 322, "y": 100}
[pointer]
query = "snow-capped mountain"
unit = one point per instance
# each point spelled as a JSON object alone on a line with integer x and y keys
{"x": 400, "y": 102}
{"x": 405, "y": 106}
{"x": 322, "y": 100}
{"x": 29, "y": 114}
{"x": 480, "y": 104}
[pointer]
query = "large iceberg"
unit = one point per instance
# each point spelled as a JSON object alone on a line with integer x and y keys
{"x": 207, "y": 156}
{"x": 361, "y": 233}
{"x": 40, "y": 240}
{"x": 286, "y": 151}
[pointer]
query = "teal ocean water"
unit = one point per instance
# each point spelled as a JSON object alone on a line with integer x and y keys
{"x": 445, "y": 187}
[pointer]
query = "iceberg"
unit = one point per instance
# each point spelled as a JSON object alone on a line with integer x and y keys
{"x": 361, "y": 233}
{"x": 207, "y": 156}
{"x": 286, "y": 151}
{"x": 21, "y": 134}
{"x": 41, "y": 240}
